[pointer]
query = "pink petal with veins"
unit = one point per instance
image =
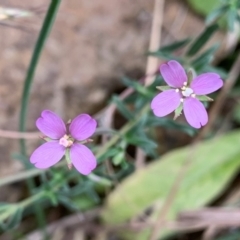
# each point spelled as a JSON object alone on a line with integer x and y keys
{"x": 195, "y": 113}
{"x": 173, "y": 73}
{"x": 82, "y": 127}
{"x": 47, "y": 155}
{"x": 82, "y": 158}
{"x": 51, "y": 125}
{"x": 206, "y": 83}
{"x": 165, "y": 103}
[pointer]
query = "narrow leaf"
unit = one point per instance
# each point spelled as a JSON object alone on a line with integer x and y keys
{"x": 178, "y": 111}
{"x": 15, "y": 218}
{"x": 204, "y": 98}
{"x": 174, "y": 46}
{"x": 205, "y": 58}
{"x": 163, "y": 88}
{"x": 137, "y": 87}
{"x": 231, "y": 18}
{"x": 202, "y": 39}
{"x": 215, "y": 14}
{"x": 122, "y": 108}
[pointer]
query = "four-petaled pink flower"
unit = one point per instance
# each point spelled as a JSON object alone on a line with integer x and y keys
{"x": 185, "y": 93}
{"x": 62, "y": 141}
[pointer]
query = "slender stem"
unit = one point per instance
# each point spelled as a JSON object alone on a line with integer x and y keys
{"x": 46, "y": 27}
{"x": 123, "y": 131}
{"x": 19, "y": 135}
{"x": 20, "y": 176}
{"x": 25, "y": 203}
{"x": 34, "y": 172}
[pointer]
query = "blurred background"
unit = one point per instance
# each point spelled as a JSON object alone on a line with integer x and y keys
{"x": 92, "y": 45}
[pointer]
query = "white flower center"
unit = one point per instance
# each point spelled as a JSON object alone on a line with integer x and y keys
{"x": 187, "y": 92}
{"x": 65, "y": 141}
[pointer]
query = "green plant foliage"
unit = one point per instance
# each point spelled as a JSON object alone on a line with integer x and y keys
{"x": 13, "y": 220}
{"x": 168, "y": 49}
{"x": 122, "y": 108}
{"x": 204, "y": 6}
{"x": 213, "y": 165}
{"x": 233, "y": 235}
{"x": 202, "y": 39}
{"x": 205, "y": 58}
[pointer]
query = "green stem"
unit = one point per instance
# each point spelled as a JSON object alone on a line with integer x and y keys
{"x": 27, "y": 202}
{"x": 34, "y": 172}
{"x": 46, "y": 27}
{"x": 122, "y": 132}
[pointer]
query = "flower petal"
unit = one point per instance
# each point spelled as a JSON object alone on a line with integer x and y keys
{"x": 165, "y": 103}
{"x": 195, "y": 112}
{"x": 206, "y": 83}
{"x": 82, "y": 127}
{"x": 47, "y": 155}
{"x": 51, "y": 125}
{"x": 173, "y": 73}
{"x": 82, "y": 158}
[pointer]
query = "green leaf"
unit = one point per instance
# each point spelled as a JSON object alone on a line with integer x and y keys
{"x": 137, "y": 86}
{"x": 165, "y": 55}
{"x": 190, "y": 75}
{"x": 214, "y": 163}
{"x": 117, "y": 159}
{"x": 143, "y": 142}
{"x": 204, "y": 6}
{"x": 110, "y": 153}
{"x": 204, "y": 98}
{"x": 205, "y": 58}
{"x": 4, "y": 206}
{"x": 163, "y": 88}
{"x": 178, "y": 111}
{"x": 174, "y": 46}
{"x": 231, "y": 18}
{"x": 67, "y": 202}
{"x": 122, "y": 108}
{"x": 202, "y": 39}
{"x": 215, "y": 14}
{"x": 14, "y": 220}
{"x": 171, "y": 124}
{"x": 232, "y": 235}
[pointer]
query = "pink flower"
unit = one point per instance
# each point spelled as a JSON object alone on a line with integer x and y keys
{"x": 62, "y": 141}
{"x": 185, "y": 94}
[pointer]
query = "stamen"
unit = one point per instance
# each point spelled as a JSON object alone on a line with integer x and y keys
{"x": 181, "y": 100}
{"x": 63, "y": 141}
{"x": 183, "y": 88}
{"x": 185, "y": 83}
{"x": 70, "y": 143}
{"x": 193, "y": 95}
{"x": 66, "y": 141}
{"x": 177, "y": 90}
{"x": 187, "y": 92}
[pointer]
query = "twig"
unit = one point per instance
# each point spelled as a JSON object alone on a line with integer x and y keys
{"x": 64, "y": 223}
{"x": 152, "y": 62}
{"x": 19, "y": 135}
{"x": 157, "y": 227}
{"x": 213, "y": 114}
